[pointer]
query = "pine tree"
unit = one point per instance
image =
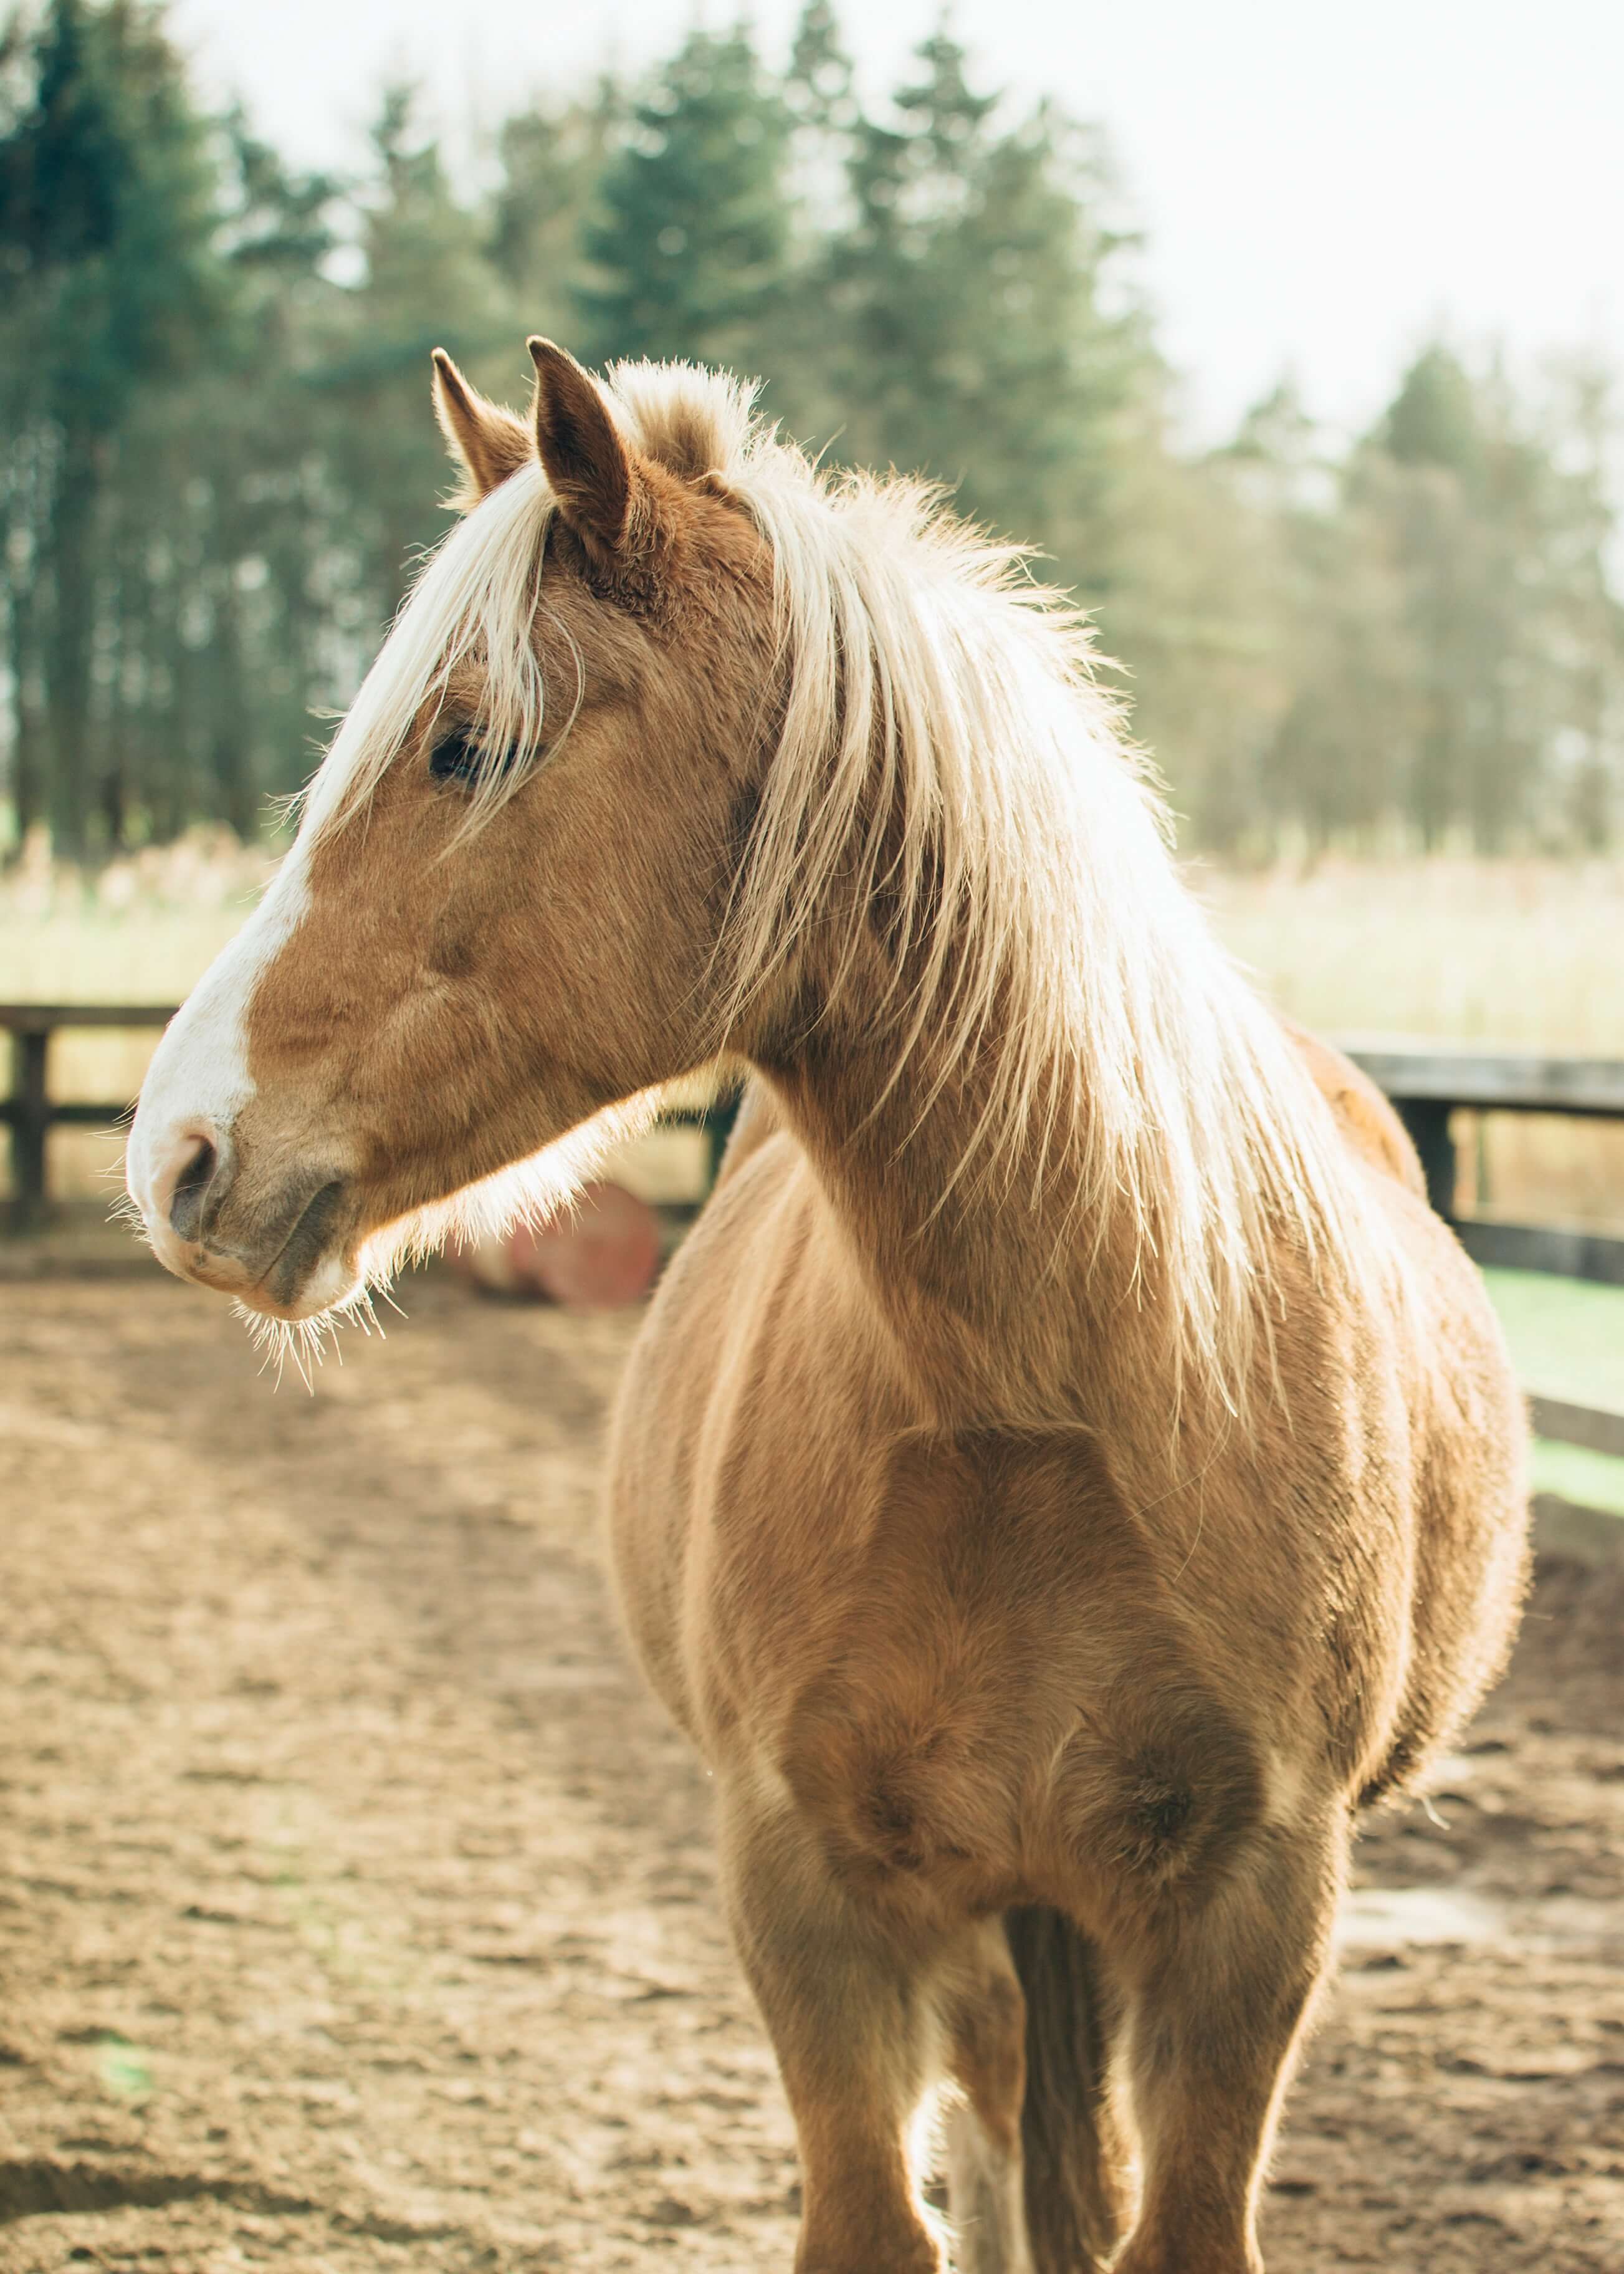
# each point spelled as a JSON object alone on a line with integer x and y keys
{"x": 551, "y": 161}
{"x": 819, "y": 94}
{"x": 107, "y": 236}
{"x": 427, "y": 281}
{"x": 975, "y": 344}
{"x": 909, "y": 352}
{"x": 215, "y": 463}
{"x": 1450, "y": 482}
{"x": 689, "y": 241}
{"x": 1588, "y": 619}
{"x": 262, "y": 508}
{"x": 817, "y": 86}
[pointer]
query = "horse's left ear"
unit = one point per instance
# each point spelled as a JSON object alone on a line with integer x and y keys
{"x": 586, "y": 462}
{"x": 488, "y": 442}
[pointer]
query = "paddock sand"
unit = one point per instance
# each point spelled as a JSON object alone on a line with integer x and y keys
{"x": 358, "y": 1911}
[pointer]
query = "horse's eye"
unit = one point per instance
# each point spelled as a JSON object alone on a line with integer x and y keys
{"x": 457, "y": 758}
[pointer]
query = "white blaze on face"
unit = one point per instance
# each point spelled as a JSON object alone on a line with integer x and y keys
{"x": 198, "y": 1080}
{"x": 477, "y": 594}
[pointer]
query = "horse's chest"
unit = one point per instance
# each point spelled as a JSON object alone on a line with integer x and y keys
{"x": 974, "y": 1690}
{"x": 915, "y": 1738}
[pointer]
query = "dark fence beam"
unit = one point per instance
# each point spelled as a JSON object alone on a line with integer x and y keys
{"x": 1425, "y": 1087}
{"x": 29, "y": 1113}
{"x": 1543, "y": 1247}
{"x": 1500, "y": 1082}
{"x": 30, "y": 1118}
{"x": 1578, "y": 1424}
{"x": 1427, "y": 1120}
{"x": 45, "y": 1018}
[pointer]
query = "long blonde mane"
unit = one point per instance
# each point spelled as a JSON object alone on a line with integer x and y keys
{"x": 945, "y": 739}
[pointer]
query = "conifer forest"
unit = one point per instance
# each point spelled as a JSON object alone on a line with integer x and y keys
{"x": 218, "y": 462}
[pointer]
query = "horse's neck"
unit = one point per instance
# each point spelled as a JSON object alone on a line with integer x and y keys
{"x": 1009, "y": 1305}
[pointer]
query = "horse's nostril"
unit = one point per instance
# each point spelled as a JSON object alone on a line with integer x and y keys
{"x": 187, "y": 1201}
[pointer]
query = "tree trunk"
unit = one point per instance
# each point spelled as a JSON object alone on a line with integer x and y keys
{"x": 70, "y": 633}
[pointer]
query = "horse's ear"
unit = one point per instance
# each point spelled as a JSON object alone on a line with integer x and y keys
{"x": 588, "y": 465}
{"x": 488, "y": 442}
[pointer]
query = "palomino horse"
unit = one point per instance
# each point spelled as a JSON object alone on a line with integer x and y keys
{"x": 1068, "y": 1469}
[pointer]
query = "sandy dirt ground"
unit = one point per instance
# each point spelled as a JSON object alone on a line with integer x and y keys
{"x": 358, "y": 1911}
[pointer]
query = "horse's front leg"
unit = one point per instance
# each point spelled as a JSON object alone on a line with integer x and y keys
{"x": 846, "y": 2003}
{"x": 986, "y": 2016}
{"x": 1218, "y": 2003}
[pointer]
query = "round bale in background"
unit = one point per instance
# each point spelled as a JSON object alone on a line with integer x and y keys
{"x": 604, "y": 1251}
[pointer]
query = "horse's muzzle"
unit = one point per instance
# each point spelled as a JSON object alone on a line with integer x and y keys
{"x": 282, "y": 1248}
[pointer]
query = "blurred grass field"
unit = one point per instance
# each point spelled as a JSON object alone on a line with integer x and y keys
{"x": 1525, "y": 954}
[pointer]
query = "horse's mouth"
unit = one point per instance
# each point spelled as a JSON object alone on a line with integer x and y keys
{"x": 296, "y": 1266}
{"x": 292, "y": 1259}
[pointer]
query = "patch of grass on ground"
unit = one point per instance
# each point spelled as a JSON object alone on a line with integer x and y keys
{"x": 1566, "y": 1336}
{"x": 1590, "y": 1480}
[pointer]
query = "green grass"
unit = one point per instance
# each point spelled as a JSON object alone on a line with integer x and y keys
{"x": 1566, "y": 1338}
{"x": 1590, "y": 1480}
{"x": 125, "y": 2070}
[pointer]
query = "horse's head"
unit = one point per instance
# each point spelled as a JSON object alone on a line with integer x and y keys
{"x": 501, "y": 913}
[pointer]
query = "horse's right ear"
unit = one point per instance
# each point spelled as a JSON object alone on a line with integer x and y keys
{"x": 488, "y": 442}
{"x": 585, "y": 461}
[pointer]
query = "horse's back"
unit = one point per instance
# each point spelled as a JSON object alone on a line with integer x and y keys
{"x": 1468, "y": 1492}
{"x": 1466, "y": 1428}
{"x": 1365, "y": 1116}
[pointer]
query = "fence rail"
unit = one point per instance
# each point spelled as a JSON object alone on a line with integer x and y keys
{"x": 1426, "y": 1085}
{"x": 30, "y": 1111}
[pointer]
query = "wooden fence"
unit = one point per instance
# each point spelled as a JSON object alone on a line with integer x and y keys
{"x": 30, "y": 1111}
{"x": 1430, "y": 1086}
{"x": 1427, "y": 1087}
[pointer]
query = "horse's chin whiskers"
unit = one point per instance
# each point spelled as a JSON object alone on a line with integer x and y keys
{"x": 304, "y": 1343}
{"x": 123, "y": 1209}
{"x": 281, "y": 1340}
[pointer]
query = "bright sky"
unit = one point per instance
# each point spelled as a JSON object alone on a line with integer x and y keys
{"x": 1322, "y": 182}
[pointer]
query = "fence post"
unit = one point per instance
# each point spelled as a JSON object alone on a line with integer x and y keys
{"x": 30, "y": 1121}
{"x": 718, "y": 1118}
{"x": 1427, "y": 1120}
